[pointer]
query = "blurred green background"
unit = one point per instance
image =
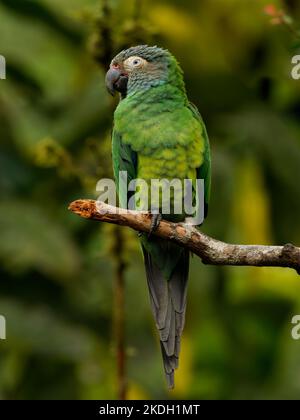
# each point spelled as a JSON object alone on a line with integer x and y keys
{"x": 58, "y": 272}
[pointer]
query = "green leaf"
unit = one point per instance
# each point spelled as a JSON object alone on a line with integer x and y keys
{"x": 38, "y": 331}
{"x": 31, "y": 239}
{"x": 36, "y": 11}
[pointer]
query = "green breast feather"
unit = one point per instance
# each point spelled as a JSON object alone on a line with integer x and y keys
{"x": 159, "y": 137}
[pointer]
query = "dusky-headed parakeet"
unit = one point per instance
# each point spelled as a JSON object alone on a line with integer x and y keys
{"x": 158, "y": 134}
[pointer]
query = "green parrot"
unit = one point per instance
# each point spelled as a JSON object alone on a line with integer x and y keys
{"x": 158, "y": 134}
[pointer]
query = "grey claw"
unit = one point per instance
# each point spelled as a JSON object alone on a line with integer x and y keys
{"x": 155, "y": 221}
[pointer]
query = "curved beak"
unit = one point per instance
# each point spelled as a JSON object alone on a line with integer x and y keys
{"x": 115, "y": 80}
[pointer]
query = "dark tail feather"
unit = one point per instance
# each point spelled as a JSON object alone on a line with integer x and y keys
{"x": 168, "y": 302}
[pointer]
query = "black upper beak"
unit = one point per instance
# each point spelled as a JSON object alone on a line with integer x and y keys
{"x": 115, "y": 80}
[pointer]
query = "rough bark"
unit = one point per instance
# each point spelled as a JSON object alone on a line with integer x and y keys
{"x": 211, "y": 251}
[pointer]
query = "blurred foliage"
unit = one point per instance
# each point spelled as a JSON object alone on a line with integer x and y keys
{"x": 57, "y": 270}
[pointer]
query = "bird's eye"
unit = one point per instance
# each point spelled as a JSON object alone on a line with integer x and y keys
{"x": 136, "y": 62}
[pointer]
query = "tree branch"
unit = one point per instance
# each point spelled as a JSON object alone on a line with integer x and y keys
{"x": 210, "y": 250}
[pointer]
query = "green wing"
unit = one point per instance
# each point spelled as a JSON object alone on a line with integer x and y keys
{"x": 124, "y": 159}
{"x": 204, "y": 171}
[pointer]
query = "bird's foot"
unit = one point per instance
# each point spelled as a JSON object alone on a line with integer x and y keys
{"x": 155, "y": 221}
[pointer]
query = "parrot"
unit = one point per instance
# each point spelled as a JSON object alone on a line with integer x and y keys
{"x": 158, "y": 134}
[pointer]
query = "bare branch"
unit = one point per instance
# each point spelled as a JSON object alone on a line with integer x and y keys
{"x": 210, "y": 250}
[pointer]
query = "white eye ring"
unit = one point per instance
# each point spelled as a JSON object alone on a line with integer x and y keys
{"x": 134, "y": 62}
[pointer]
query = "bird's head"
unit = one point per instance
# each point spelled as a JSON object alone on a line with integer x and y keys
{"x": 142, "y": 67}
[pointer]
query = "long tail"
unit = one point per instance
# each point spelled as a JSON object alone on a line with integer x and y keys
{"x": 168, "y": 302}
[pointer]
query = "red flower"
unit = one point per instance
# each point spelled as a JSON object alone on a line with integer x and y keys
{"x": 271, "y": 10}
{"x": 276, "y": 14}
